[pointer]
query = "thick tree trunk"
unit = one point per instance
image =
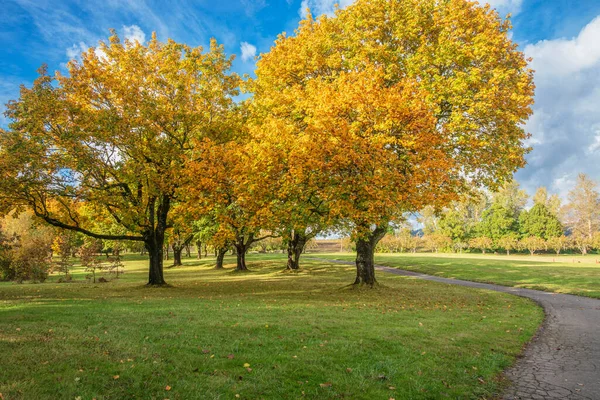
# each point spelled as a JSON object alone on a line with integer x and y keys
{"x": 241, "y": 246}
{"x": 154, "y": 240}
{"x": 155, "y": 253}
{"x": 295, "y": 247}
{"x": 365, "y": 256}
{"x": 220, "y": 256}
{"x": 240, "y": 252}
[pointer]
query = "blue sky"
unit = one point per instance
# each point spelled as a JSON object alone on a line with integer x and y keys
{"x": 563, "y": 37}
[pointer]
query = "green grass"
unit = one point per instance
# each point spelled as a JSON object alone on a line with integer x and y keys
{"x": 304, "y": 335}
{"x": 579, "y": 275}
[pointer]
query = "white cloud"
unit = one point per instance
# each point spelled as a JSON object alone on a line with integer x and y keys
{"x": 565, "y": 126}
{"x": 134, "y": 33}
{"x": 248, "y": 51}
{"x": 505, "y": 6}
{"x": 563, "y": 184}
{"x": 595, "y": 146}
{"x": 319, "y": 7}
{"x": 562, "y": 57}
{"x": 75, "y": 51}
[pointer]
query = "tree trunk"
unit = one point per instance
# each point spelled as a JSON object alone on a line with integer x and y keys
{"x": 199, "y": 248}
{"x": 240, "y": 253}
{"x": 177, "y": 256}
{"x": 205, "y": 250}
{"x": 178, "y": 247}
{"x": 365, "y": 256}
{"x": 220, "y": 256}
{"x": 188, "y": 251}
{"x": 295, "y": 248}
{"x": 154, "y": 240}
{"x": 241, "y": 246}
{"x": 155, "y": 276}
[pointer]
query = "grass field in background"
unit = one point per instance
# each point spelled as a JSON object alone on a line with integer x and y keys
{"x": 263, "y": 334}
{"x": 579, "y": 275}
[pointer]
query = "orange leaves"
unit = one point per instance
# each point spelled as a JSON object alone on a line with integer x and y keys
{"x": 393, "y": 105}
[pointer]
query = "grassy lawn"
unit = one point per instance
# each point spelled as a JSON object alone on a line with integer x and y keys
{"x": 263, "y": 334}
{"x": 561, "y": 274}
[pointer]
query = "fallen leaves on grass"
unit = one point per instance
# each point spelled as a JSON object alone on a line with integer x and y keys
{"x": 326, "y": 384}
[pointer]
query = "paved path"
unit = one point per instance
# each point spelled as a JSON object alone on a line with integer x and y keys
{"x": 563, "y": 360}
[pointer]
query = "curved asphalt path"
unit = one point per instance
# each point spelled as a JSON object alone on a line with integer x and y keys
{"x": 563, "y": 359}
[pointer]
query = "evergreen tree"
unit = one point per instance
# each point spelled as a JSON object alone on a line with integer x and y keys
{"x": 539, "y": 222}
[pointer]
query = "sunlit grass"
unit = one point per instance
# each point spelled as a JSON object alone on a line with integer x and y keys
{"x": 579, "y": 275}
{"x": 304, "y": 335}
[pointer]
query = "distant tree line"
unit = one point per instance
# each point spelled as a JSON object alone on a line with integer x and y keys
{"x": 502, "y": 222}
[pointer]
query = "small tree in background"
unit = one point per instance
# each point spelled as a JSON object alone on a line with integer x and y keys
{"x": 63, "y": 248}
{"x": 508, "y": 243}
{"x": 482, "y": 243}
{"x": 580, "y": 241}
{"x": 558, "y": 243}
{"x": 89, "y": 256}
{"x": 533, "y": 244}
{"x": 437, "y": 241}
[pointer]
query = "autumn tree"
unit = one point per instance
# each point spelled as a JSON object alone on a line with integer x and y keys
{"x": 558, "y": 243}
{"x": 533, "y": 244}
{"x": 482, "y": 243}
{"x": 64, "y": 247}
{"x": 89, "y": 257}
{"x": 25, "y": 248}
{"x": 437, "y": 241}
{"x": 583, "y": 211}
{"x": 508, "y": 243}
{"x": 226, "y": 186}
{"x": 112, "y": 133}
{"x": 182, "y": 231}
{"x": 401, "y": 104}
{"x": 208, "y": 231}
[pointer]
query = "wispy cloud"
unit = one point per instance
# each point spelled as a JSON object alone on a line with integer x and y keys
{"x": 319, "y": 7}
{"x": 506, "y": 6}
{"x": 248, "y": 51}
{"x": 134, "y": 33}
